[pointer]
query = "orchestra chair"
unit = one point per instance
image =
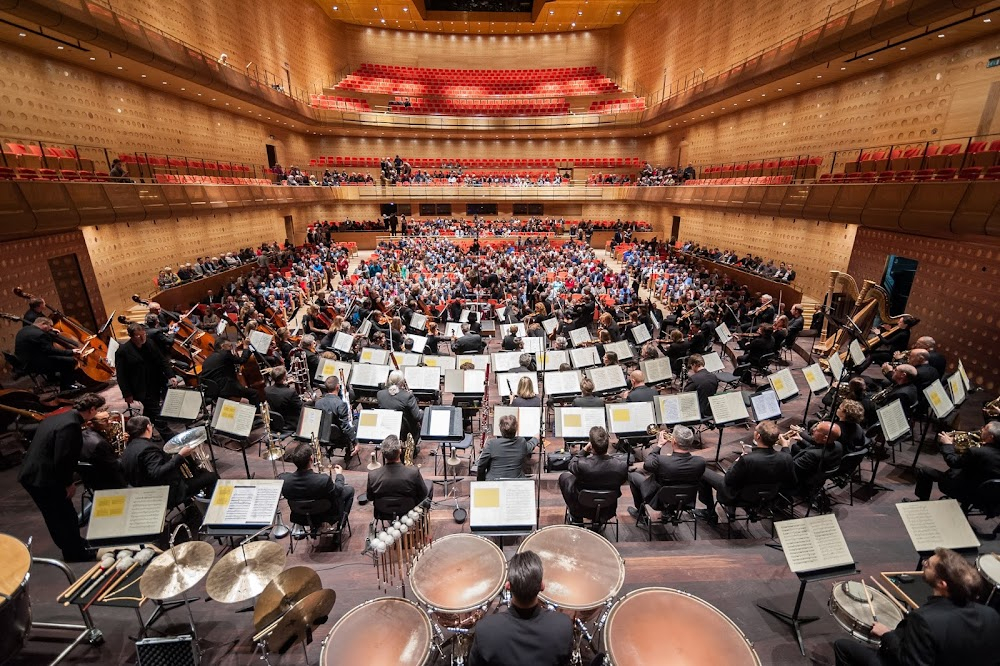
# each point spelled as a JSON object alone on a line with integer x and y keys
{"x": 848, "y": 472}
{"x": 985, "y": 502}
{"x": 388, "y": 509}
{"x": 468, "y": 442}
{"x": 39, "y": 383}
{"x": 757, "y": 501}
{"x": 677, "y": 506}
{"x": 601, "y": 509}
{"x": 761, "y": 368}
{"x": 816, "y": 497}
{"x": 306, "y": 524}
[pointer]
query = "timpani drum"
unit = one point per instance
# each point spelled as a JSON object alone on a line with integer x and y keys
{"x": 583, "y": 570}
{"x": 657, "y": 625}
{"x": 382, "y": 632}
{"x": 457, "y": 577}
{"x": 988, "y": 566}
{"x": 849, "y": 607}
{"x": 15, "y": 605}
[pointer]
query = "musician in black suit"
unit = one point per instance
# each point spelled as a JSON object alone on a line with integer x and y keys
{"x": 343, "y": 434}
{"x": 503, "y": 457}
{"x": 950, "y": 628}
{"x": 142, "y": 373}
{"x": 762, "y": 465}
{"x": 934, "y": 358}
{"x": 926, "y": 373}
{"x": 904, "y": 389}
{"x": 704, "y": 382}
{"x": 47, "y": 473}
{"x": 220, "y": 373}
{"x": 896, "y": 340}
{"x": 813, "y": 453}
{"x": 468, "y": 343}
{"x": 762, "y": 344}
{"x": 795, "y": 325}
{"x": 33, "y": 347}
{"x": 398, "y": 398}
{"x": 594, "y": 471}
{"x": 36, "y": 309}
{"x": 764, "y": 314}
{"x": 434, "y": 341}
{"x": 395, "y": 481}
{"x": 966, "y": 471}
{"x": 283, "y": 399}
{"x": 588, "y": 399}
{"x": 305, "y": 484}
{"x": 677, "y": 350}
{"x": 639, "y": 391}
{"x": 146, "y": 464}
{"x": 511, "y": 341}
{"x": 678, "y": 468}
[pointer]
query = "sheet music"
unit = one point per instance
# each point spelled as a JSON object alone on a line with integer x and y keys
{"x": 503, "y": 361}
{"x": 724, "y": 333}
{"x": 406, "y": 359}
{"x": 713, "y": 363}
{"x": 418, "y": 321}
{"x": 836, "y": 367}
{"x": 656, "y": 369}
{"x": 260, "y": 341}
{"x": 815, "y": 378}
{"x": 372, "y": 376}
{"x": 223, "y": 324}
{"x": 957, "y": 387}
{"x": 500, "y": 312}
{"x": 528, "y": 419}
{"x": 374, "y": 356}
{"x": 551, "y": 360}
{"x": 422, "y": 378}
{"x": 244, "y": 502}
{"x": 620, "y": 348}
{"x": 443, "y": 362}
{"x": 419, "y": 342}
{"x": 784, "y": 384}
{"x": 465, "y": 381}
{"x": 583, "y": 357}
{"x": 630, "y": 417}
{"x": 310, "y": 423}
{"x": 453, "y": 330}
{"x": 678, "y": 408}
{"x": 502, "y": 504}
{"x": 856, "y": 352}
{"x": 374, "y": 425}
{"x": 937, "y": 524}
{"x": 507, "y": 382}
{"x": 607, "y": 378}
{"x": 464, "y": 316}
{"x": 365, "y": 328}
{"x": 965, "y": 376}
{"x": 181, "y": 404}
{"x": 533, "y": 345}
{"x": 343, "y": 342}
{"x": 329, "y": 366}
{"x": 765, "y": 406}
{"x": 112, "y": 350}
{"x": 938, "y": 399}
{"x": 480, "y": 361}
{"x": 640, "y": 334}
{"x": 440, "y": 425}
{"x": 549, "y": 325}
{"x": 576, "y": 422}
{"x": 892, "y": 418}
{"x": 562, "y": 383}
{"x": 128, "y": 512}
{"x": 578, "y": 336}
{"x": 505, "y": 330}
{"x": 728, "y": 407}
{"x": 814, "y": 543}
{"x": 233, "y": 418}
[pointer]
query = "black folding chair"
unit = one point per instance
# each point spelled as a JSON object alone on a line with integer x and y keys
{"x": 757, "y": 503}
{"x": 602, "y": 509}
{"x": 307, "y": 524}
{"x": 676, "y": 506}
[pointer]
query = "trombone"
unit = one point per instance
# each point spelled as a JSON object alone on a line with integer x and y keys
{"x": 273, "y": 451}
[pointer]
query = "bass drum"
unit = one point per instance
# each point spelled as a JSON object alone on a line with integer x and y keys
{"x": 382, "y": 632}
{"x": 653, "y": 626}
{"x": 15, "y": 606}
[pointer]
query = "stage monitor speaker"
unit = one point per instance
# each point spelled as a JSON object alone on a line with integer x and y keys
{"x": 169, "y": 651}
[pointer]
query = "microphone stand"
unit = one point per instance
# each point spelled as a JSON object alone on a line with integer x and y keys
{"x": 541, "y": 447}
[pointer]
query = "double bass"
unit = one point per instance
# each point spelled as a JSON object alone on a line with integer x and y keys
{"x": 92, "y": 367}
{"x": 193, "y": 336}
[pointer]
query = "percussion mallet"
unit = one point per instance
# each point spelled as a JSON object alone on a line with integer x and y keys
{"x": 871, "y": 606}
{"x": 107, "y": 564}
{"x": 123, "y": 565}
{"x": 896, "y": 601}
{"x": 79, "y": 582}
{"x": 141, "y": 558}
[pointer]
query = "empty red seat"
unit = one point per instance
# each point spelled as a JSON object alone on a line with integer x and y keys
{"x": 886, "y": 176}
{"x": 944, "y": 174}
{"x": 924, "y": 175}
{"x": 904, "y": 176}
{"x": 69, "y": 174}
{"x": 26, "y": 174}
{"x": 992, "y": 173}
{"x": 6, "y": 173}
{"x": 970, "y": 173}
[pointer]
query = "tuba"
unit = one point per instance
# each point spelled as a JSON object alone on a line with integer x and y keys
{"x": 963, "y": 440}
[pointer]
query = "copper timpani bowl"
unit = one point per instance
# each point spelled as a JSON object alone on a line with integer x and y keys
{"x": 582, "y": 569}
{"x": 653, "y": 626}
{"x": 382, "y": 632}
{"x": 457, "y": 576}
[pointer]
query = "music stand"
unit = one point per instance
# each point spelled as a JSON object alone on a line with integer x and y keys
{"x": 813, "y": 374}
{"x": 235, "y": 420}
{"x": 442, "y": 426}
{"x": 242, "y": 507}
{"x": 727, "y": 409}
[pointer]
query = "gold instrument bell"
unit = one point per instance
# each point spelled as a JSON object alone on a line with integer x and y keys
{"x": 963, "y": 440}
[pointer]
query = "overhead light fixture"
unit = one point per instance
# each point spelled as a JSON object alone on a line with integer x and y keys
{"x": 618, "y": 13}
{"x": 987, "y": 20}
{"x": 941, "y": 35}
{"x": 902, "y": 48}
{"x": 406, "y": 9}
{"x": 336, "y": 8}
{"x": 22, "y": 34}
{"x": 143, "y": 76}
{"x": 93, "y": 58}
{"x": 871, "y": 58}
{"x": 572, "y": 25}
{"x": 375, "y": 8}
{"x": 60, "y": 47}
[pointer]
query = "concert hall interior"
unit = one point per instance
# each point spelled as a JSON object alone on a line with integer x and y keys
{"x": 379, "y": 298}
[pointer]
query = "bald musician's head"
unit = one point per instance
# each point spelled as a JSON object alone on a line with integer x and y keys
{"x": 918, "y": 357}
{"x": 904, "y": 374}
{"x": 637, "y": 377}
{"x": 824, "y": 433}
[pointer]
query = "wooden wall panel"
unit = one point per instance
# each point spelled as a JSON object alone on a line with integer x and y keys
{"x": 813, "y": 248}
{"x": 941, "y": 95}
{"x": 955, "y": 295}
{"x": 24, "y": 263}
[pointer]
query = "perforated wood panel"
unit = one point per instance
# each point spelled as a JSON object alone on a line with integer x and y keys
{"x": 502, "y": 147}
{"x": 813, "y": 248}
{"x": 941, "y": 95}
{"x": 955, "y": 295}
{"x": 25, "y": 263}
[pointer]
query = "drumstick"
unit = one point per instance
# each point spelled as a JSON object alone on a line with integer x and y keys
{"x": 900, "y": 606}
{"x": 871, "y": 606}
{"x": 78, "y": 583}
{"x": 113, "y": 587}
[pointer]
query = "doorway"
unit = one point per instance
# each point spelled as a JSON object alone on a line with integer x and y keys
{"x": 290, "y": 230}
{"x": 675, "y": 229}
{"x": 897, "y": 280}
{"x": 272, "y": 155}
{"x": 72, "y": 292}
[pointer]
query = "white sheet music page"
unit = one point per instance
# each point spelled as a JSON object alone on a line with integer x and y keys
{"x": 630, "y": 417}
{"x": 937, "y": 524}
{"x": 815, "y": 378}
{"x": 836, "y": 367}
{"x": 728, "y": 407}
{"x": 607, "y": 378}
{"x": 365, "y": 328}
{"x": 562, "y": 383}
{"x": 528, "y": 419}
{"x": 656, "y": 369}
{"x": 419, "y": 342}
{"x": 406, "y": 359}
{"x": 310, "y": 420}
{"x": 374, "y": 356}
{"x": 328, "y": 367}
{"x": 938, "y": 399}
{"x": 500, "y": 504}
{"x": 366, "y": 374}
{"x": 181, "y": 404}
{"x": 343, "y": 341}
{"x": 418, "y": 321}
{"x": 578, "y": 336}
{"x": 965, "y": 376}
{"x": 440, "y": 425}
{"x": 620, "y": 348}
{"x": 856, "y": 352}
{"x": 128, "y": 512}
{"x": 443, "y": 362}
{"x": 507, "y": 382}
{"x": 453, "y": 329}
{"x": 814, "y": 543}
{"x": 552, "y": 359}
{"x": 766, "y": 406}
{"x": 464, "y": 316}
{"x": 521, "y": 330}
{"x": 422, "y": 378}
{"x": 112, "y": 350}
{"x": 377, "y": 424}
{"x": 503, "y": 361}
{"x": 892, "y": 418}
{"x": 576, "y": 422}
{"x": 724, "y": 334}
{"x": 713, "y": 363}
{"x": 533, "y": 345}
{"x": 244, "y": 502}
{"x": 584, "y": 357}
{"x": 678, "y": 408}
{"x": 260, "y": 341}
{"x": 957, "y": 387}
{"x": 784, "y": 384}
{"x": 640, "y": 334}
{"x": 234, "y": 418}
{"x": 549, "y": 325}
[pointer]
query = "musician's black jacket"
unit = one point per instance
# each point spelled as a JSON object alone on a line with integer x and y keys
{"x": 518, "y": 637}
{"x": 942, "y": 633}
{"x": 55, "y": 449}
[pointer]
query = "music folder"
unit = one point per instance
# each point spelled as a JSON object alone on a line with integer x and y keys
{"x": 504, "y": 361}
{"x": 328, "y": 366}
{"x": 620, "y": 348}
{"x": 374, "y": 425}
{"x": 893, "y": 421}
{"x": 127, "y": 515}
{"x": 937, "y": 524}
{"x": 713, "y": 363}
{"x": 453, "y": 329}
{"x": 314, "y": 421}
{"x": 630, "y": 418}
{"x": 405, "y": 359}
{"x": 576, "y": 422}
{"x": 640, "y": 334}
{"x": 260, "y": 341}
{"x": 813, "y": 544}
{"x": 957, "y": 387}
{"x": 181, "y": 404}
{"x": 836, "y": 367}
{"x": 728, "y": 407}
{"x": 419, "y": 342}
{"x": 465, "y": 382}
{"x": 551, "y": 360}
{"x": 550, "y": 325}
{"x": 442, "y": 424}
{"x": 374, "y": 356}
{"x": 233, "y": 418}
{"x": 856, "y": 352}
{"x": 783, "y": 384}
{"x": 578, "y": 336}
{"x": 678, "y": 408}
{"x": 584, "y": 357}
{"x": 507, "y": 382}
{"x": 562, "y": 383}
{"x": 418, "y": 321}
{"x": 528, "y": 419}
{"x": 507, "y": 505}
{"x": 815, "y": 378}
{"x": 505, "y": 330}
{"x": 443, "y": 362}
{"x": 938, "y": 399}
{"x": 369, "y": 376}
{"x": 724, "y": 333}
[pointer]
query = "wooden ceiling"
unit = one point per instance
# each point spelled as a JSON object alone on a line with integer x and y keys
{"x": 546, "y": 16}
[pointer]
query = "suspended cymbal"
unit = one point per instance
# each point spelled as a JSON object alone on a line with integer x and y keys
{"x": 294, "y": 626}
{"x": 238, "y": 576}
{"x": 282, "y": 593}
{"x": 177, "y": 570}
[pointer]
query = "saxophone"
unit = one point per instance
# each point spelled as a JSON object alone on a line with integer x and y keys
{"x": 408, "y": 447}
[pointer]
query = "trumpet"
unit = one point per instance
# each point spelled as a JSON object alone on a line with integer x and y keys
{"x": 991, "y": 410}
{"x": 963, "y": 440}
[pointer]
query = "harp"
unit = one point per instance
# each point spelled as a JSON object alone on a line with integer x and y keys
{"x": 869, "y": 302}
